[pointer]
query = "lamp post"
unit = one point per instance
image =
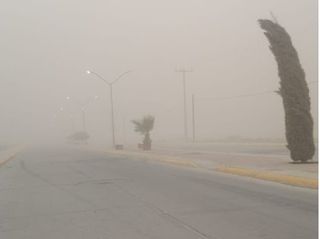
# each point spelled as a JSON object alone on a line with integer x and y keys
{"x": 69, "y": 115}
{"x": 110, "y": 84}
{"x": 82, "y": 106}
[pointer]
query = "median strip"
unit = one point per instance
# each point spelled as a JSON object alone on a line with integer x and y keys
{"x": 246, "y": 172}
{"x": 270, "y": 176}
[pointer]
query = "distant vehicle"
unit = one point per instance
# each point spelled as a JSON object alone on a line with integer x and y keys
{"x": 80, "y": 137}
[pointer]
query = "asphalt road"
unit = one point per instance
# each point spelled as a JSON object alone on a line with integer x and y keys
{"x": 69, "y": 193}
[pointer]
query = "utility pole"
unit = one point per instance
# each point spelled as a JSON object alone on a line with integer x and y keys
{"x": 184, "y": 72}
{"x": 193, "y": 120}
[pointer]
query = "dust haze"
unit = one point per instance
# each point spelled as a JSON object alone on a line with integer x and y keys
{"x": 47, "y": 47}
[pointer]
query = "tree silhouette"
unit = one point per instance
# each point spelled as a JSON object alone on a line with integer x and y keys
{"x": 144, "y": 126}
{"x": 293, "y": 90}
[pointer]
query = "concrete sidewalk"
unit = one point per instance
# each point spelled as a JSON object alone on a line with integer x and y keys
{"x": 276, "y": 168}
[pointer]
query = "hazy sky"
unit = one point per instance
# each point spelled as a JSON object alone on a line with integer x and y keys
{"x": 46, "y": 47}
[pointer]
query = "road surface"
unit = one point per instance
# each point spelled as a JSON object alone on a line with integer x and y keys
{"x": 71, "y": 193}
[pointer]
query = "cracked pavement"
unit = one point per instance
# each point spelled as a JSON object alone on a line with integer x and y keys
{"x": 75, "y": 193}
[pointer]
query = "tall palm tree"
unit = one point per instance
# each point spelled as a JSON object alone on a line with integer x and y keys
{"x": 293, "y": 90}
{"x": 144, "y": 126}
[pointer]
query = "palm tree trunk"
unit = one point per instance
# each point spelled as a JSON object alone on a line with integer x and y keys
{"x": 147, "y": 141}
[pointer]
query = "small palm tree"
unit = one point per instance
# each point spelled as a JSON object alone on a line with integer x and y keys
{"x": 144, "y": 126}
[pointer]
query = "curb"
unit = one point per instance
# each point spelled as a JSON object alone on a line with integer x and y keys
{"x": 270, "y": 176}
{"x": 245, "y": 172}
{"x": 157, "y": 158}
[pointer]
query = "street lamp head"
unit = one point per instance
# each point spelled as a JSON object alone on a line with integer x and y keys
{"x": 68, "y": 97}
{"x": 88, "y": 72}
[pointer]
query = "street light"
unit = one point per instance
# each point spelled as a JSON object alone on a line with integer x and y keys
{"x": 110, "y": 84}
{"x": 82, "y": 107}
{"x": 69, "y": 115}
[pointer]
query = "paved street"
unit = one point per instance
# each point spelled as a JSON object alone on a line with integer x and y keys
{"x": 75, "y": 193}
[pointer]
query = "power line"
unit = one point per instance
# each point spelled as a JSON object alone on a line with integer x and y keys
{"x": 239, "y": 96}
{"x": 246, "y": 95}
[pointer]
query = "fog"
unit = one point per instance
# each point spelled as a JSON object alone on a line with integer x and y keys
{"x": 47, "y": 46}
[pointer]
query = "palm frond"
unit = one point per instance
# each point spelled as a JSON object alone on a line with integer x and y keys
{"x": 144, "y": 125}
